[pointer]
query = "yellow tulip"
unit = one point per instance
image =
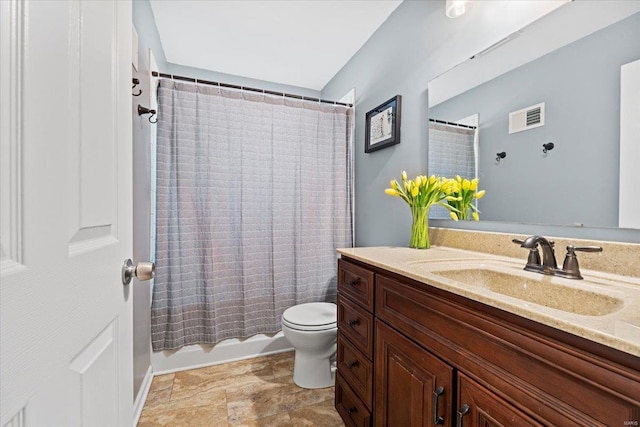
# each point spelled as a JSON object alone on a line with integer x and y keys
{"x": 480, "y": 194}
{"x": 474, "y": 184}
{"x": 453, "y": 216}
{"x": 432, "y": 179}
{"x": 404, "y": 175}
{"x": 392, "y": 183}
{"x": 391, "y": 192}
{"x": 458, "y": 178}
{"x": 415, "y": 191}
{"x": 466, "y": 184}
{"x": 475, "y": 216}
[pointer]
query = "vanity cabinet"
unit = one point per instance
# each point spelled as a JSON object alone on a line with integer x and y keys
{"x": 442, "y": 359}
{"x": 354, "y": 357}
{"x": 413, "y": 387}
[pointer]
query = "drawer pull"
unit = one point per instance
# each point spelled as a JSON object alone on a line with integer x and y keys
{"x": 351, "y": 410}
{"x": 353, "y": 364}
{"x": 354, "y": 322}
{"x": 437, "y": 420}
{"x": 464, "y": 410}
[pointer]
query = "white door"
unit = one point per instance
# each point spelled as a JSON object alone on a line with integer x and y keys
{"x": 65, "y": 213}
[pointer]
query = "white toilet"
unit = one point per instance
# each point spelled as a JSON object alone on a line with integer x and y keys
{"x": 312, "y": 331}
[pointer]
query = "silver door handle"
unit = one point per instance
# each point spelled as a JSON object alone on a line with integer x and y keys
{"x": 142, "y": 270}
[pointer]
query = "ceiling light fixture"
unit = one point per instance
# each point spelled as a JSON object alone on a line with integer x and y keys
{"x": 455, "y": 8}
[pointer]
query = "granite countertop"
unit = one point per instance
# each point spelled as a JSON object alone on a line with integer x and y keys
{"x": 603, "y": 307}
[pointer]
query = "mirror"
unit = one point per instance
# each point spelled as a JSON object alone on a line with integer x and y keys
{"x": 560, "y": 76}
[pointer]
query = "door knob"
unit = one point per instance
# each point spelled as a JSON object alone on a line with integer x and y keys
{"x": 142, "y": 270}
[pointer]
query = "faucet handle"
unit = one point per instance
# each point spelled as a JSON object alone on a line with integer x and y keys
{"x": 534, "y": 255}
{"x": 572, "y": 248}
{"x": 570, "y": 267}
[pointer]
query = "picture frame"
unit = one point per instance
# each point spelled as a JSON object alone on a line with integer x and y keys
{"x": 382, "y": 125}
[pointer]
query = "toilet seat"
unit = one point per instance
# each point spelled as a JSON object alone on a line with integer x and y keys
{"x": 313, "y": 316}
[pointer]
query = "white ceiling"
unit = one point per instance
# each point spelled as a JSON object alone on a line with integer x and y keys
{"x": 295, "y": 42}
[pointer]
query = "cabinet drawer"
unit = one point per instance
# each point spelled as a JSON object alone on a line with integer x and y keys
{"x": 356, "y": 369}
{"x": 350, "y": 408}
{"x": 356, "y": 325}
{"x": 356, "y": 282}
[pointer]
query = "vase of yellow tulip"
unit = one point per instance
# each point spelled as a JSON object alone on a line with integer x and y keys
{"x": 465, "y": 193}
{"x": 420, "y": 194}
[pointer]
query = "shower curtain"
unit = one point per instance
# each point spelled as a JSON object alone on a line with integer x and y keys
{"x": 451, "y": 152}
{"x": 253, "y": 198}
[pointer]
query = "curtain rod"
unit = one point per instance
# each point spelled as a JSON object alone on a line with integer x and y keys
{"x": 251, "y": 89}
{"x": 452, "y": 124}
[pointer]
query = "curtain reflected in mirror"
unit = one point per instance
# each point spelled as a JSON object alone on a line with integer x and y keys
{"x": 453, "y": 150}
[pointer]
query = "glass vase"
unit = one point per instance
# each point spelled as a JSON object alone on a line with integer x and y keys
{"x": 420, "y": 228}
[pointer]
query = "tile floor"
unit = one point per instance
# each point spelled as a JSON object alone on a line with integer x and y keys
{"x": 254, "y": 392}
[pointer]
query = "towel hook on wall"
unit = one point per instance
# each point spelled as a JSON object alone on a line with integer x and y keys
{"x": 144, "y": 110}
{"x": 136, "y": 82}
{"x": 501, "y": 155}
{"x": 547, "y": 147}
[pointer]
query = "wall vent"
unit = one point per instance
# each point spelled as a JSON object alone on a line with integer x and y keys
{"x": 527, "y": 118}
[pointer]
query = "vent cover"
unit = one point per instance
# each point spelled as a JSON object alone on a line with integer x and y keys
{"x": 527, "y": 118}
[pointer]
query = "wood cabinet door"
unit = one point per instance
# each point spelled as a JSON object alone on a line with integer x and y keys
{"x": 413, "y": 387}
{"x": 478, "y": 406}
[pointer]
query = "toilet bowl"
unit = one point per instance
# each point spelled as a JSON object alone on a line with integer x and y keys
{"x": 312, "y": 331}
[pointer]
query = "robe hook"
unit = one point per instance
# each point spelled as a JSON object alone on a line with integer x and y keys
{"x": 144, "y": 110}
{"x": 136, "y": 82}
{"x": 500, "y": 156}
{"x": 547, "y": 147}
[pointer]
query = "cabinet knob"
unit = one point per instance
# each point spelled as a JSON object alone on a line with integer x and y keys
{"x": 354, "y": 322}
{"x": 353, "y": 364}
{"x": 351, "y": 410}
{"x": 353, "y": 282}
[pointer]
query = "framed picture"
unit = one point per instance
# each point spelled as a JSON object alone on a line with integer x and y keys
{"x": 383, "y": 125}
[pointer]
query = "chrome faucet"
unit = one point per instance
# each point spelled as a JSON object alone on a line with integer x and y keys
{"x": 570, "y": 268}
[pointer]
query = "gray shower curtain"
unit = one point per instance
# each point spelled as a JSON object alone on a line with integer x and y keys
{"x": 253, "y": 198}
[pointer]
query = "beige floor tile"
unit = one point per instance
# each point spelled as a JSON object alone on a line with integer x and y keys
{"x": 282, "y": 364}
{"x": 321, "y": 415}
{"x": 160, "y": 390}
{"x": 279, "y": 420}
{"x": 253, "y": 393}
{"x": 255, "y": 401}
{"x": 190, "y": 383}
{"x": 161, "y": 382}
{"x": 209, "y": 409}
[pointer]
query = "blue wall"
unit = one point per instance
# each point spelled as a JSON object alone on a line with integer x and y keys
{"x": 416, "y": 44}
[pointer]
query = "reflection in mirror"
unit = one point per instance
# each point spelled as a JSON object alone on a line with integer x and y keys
{"x": 570, "y": 97}
{"x": 453, "y": 150}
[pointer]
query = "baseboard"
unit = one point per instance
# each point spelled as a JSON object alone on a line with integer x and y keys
{"x": 141, "y": 398}
{"x": 198, "y": 356}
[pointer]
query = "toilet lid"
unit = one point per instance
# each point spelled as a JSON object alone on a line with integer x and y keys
{"x": 313, "y": 316}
